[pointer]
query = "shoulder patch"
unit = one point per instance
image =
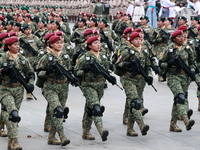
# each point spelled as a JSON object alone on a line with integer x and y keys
{"x": 145, "y": 50}
{"x": 50, "y": 58}
{"x": 5, "y": 64}
{"x": 187, "y": 47}
{"x": 191, "y": 42}
{"x": 41, "y": 52}
{"x": 132, "y": 52}
{"x": 23, "y": 62}
{"x": 170, "y": 50}
{"x": 65, "y": 56}
{"x": 87, "y": 58}
{"x": 104, "y": 56}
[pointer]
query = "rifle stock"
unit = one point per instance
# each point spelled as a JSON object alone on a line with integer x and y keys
{"x": 29, "y": 47}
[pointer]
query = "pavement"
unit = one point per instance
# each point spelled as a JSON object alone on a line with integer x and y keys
{"x": 32, "y": 136}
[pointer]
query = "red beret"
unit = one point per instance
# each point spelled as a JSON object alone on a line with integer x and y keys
{"x": 28, "y": 15}
{"x": 92, "y": 39}
{"x": 15, "y": 14}
{"x": 54, "y": 39}
{"x": 198, "y": 28}
{"x": 52, "y": 14}
{"x": 47, "y": 37}
{"x": 94, "y": 15}
{"x": 11, "y": 40}
{"x": 4, "y": 17}
{"x": 86, "y": 14}
{"x": 88, "y": 31}
{"x": 82, "y": 13}
{"x": 1, "y": 18}
{"x": 96, "y": 32}
{"x": 120, "y": 12}
{"x": 18, "y": 14}
{"x": 127, "y": 30}
{"x": 182, "y": 27}
{"x": 59, "y": 33}
{"x": 134, "y": 35}
{"x": 3, "y": 35}
{"x": 138, "y": 30}
{"x": 176, "y": 33}
{"x": 12, "y": 34}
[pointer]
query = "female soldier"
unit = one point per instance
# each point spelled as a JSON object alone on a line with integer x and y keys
{"x": 12, "y": 94}
{"x": 178, "y": 82}
{"x": 134, "y": 85}
{"x": 55, "y": 92}
{"x": 93, "y": 88}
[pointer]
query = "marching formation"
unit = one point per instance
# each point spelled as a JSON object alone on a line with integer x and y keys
{"x": 38, "y": 47}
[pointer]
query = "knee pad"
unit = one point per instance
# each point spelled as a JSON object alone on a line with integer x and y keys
{"x": 186, "y": 94}
{"x": 58, "y": 112}
{"x": 96, "y": 110}
{"x": 136, "y": 103}
{"x": 14, "y": 117}
{"x": 180, "y": 99}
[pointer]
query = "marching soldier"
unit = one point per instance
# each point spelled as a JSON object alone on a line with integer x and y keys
{"x": 148, "y": 29}
{"x": 58, "y": 93}
{"x": 9, "y": 26}
{"x": 81, "y": 15}
{"x": 37, "y": 15}
{"x": 45, "y": 11}
{"x": 93, "y": 23}
{"x": 17, "y": 27}
{"x": 197, "y": 50}
{"x": 182, "y": 20}
{"x": 42, "y": 31}
{"x": 2, "y": 27}
{"x": 178, "y": 82}
{"x": 119, "y": 14}
{"x": 20, "y": 18}
{"x": 32, "y": 24}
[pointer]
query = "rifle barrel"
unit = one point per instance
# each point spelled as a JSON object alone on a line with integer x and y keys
{"x": 154, "y": 88}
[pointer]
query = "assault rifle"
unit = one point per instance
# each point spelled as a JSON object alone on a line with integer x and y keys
{"x": 77, "y": 34}
{"x": 107, "y": 41}
{"x": 154, "y": 68}
{"x": 146, "y": 36}
{"x": 191, "y": 32}
{"x": 15, "y": 76}
{"x": 79, "y": 50}
{"x": 100, "y": 70}
{"x": 163, "y": 32}
{"x": 138, "y": 69}
{"x": 60, "y": 71}
{"x": 28, "y": 47}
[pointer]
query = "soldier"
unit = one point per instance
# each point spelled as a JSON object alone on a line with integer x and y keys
{"x": 16, "y": 9}
{"x": 9, "y": 26}
{"x": 93, "y": 89}
{"x": 129, "y": 22}
{"x": 81, "y": 15}
{"x": 148, "y": 29}
{"x": 58, "y": 93}
{"x": 12, "y": 94}
{"x": 93, "y": 23}
{"x": 98, "y": 9}
{"x": 77, "y": 35}
{"x": 106, "y": 11}
{"x": 15, "y": 17}
{"x": 59, "y": 11}
{"x": 117, "y": 28}
{"x": 194, "y": 24}
{"x": 42, "y": 31}
{"x": 178, "y": 82}
{"x": 168, "y": 25}
{"x": 29, "y": 21}
{"x": 37, "y": 15}
{"x": 119, "y": 14}
{"x": 198, "y": 60}
{"x": 110, "y": 36}
{"x": 50, "y": 16}
{"x": 49, "y": 26}
{"x": 182, "y": 20}
{"x": 45, "y": 11}
{"x": 87, "y": 17}
{"x": 52, "y": 9}
{"x": 134, "y": 85}
{"x": 9, "y": 14}
{"x": 2, "y": 27}
{"x": 17, "y": 27}
{"x": 20, "y": 19}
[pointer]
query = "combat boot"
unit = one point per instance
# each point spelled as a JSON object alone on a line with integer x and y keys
{"x": 125, "y": 117}
{"x": 199, "y": 104}
{"x": 64, "y": 140}
{"x": 188, "y": 123}
{"x": 14, "y": 144}
{"x": 173, "y": 126}
{"x": 9, "y": 143}
{"x": 3, "y": 133}
{"x": 47, "y": 127}
{"x": 189, "y": 113}
{"x": 86, "y": 133}
{"x": 143, "y": 128}
{"x": 29, "y": 96}
{"x": 130, "y": 131}
{"x": 103, "y": 133}
{"x": 144, "y": 111}
{"x": 51, "y": 139}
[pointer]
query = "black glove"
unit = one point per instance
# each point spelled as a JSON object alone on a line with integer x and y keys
{"x": 197, "y": 70}
{"x": 193, "y": 75}
{"x": 198, "y": 84}
{"x": 150, "y": 80}
{"x": 127, "y": 64}
{"x": 114, "y": 79}
{"x": 30, "y": 88}
{"x": 170, "y": 63}
{"x": 111, "y": 67}
{"x": 75, "y": 56}
{"x": 5, "y": 70}
{"x": 49, "y": 70}
{"x": 156, "y": 70}
{"x": 87, "y": 69}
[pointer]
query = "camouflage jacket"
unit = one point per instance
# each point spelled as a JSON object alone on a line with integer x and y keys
{"x": 148, "y": 30}
{"x": 41, "y": 33}
{"x": 33, "y": 25}
{"x": 65, "y": 28}
{"x": 78, "y": 39}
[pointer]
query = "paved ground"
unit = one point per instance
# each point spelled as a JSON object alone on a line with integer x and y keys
{"x": 158, "y": 118}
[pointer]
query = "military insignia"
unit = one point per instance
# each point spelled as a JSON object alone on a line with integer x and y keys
{"x": 50, "y": 58}
{"x": 197, "y": 40}
{"x": 146, "y": 29}
{"x": 104, "y": 56}
{"x": 21, "y": 51}
{"x": 106, "y": 46}
{"x": 23, "y": 62}
{"x": 132, "y": 52}
{"x": 191, "y": 42}
{"x": 68, "y": 47}
{"x": 105, "y": 32}
{"x": 170, "y": 50}
{"x": 5, "y": 64}
{"x": 30, "y": 41}
{"x": 87, "y": 58}
{"x": 65, "y": 56}
{"x": 41, "y": 52}
{"x": 145, "y": 50}
{"x": 150, "y": 47}
{"x": 187, "y": 47}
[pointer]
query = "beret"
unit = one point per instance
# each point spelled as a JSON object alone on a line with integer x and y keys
{"x": 3, "y": 35}
{"x": 182, "y": 27}
{"x": 127, "y": 14}
{"x": 54, "y": 39}
{"x": 198, "y": 28}
{"x": 28, "y": 15}
{"x": 16, "y": 24}
{"x": 86, "y": 14}
{"x": 176, "y": 33}
{"x": 2, "y": 23}
{"x": 41, "y": 20}
{"x": 27, "y": 26}
{"x": 87, "y": 32}
{"x": 194, "y": 18}
{"x": 36, "y": 7}
{"x": 96, "y": 32}
{"x": 44, "y": 6}
{"x": 104, "y": 21}
{"x": 10, "y": 22}
{"x": 144, "y": 17}
{"x": 51, "y": 14}
{"x": 138, "y": 30}
{"x": 119, "y": 12}
{"x": 127, "y": 30}
{"x": 92, "y": 39}
{"x": 93, "y": 19}
{"x": 167, "y": 18}
{"x": 56, "y": 22}
{"x": 82, "y": 19}
{"x": 94, "y": 15}
{"x": 12, "y": 34}
{"x": 53, "y": 7}
{"x": 11, "y": 40}
{"x": 134, "y": 35}
{"x": 1, "y": 18}
{"x": 160, "y": 19}
{"x": 182, "y": 17}
{"x": 47, "y": 37}
{"x": 60, "y": 7}
{"x": 59, "y": 33}
{"x": 82, "y": 13}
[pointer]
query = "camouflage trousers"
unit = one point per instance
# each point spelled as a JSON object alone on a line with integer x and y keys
{"x": 32, "y": 60}
{"x": 159, "y": 51}
{"x": 198, "y": 92}
{"x": 134, "y": 90}
{"x": 11, "y": 99}
{"x": 56, "y": 95}
{"x": 93, "y": 92}
{"x": 178, "y": 84}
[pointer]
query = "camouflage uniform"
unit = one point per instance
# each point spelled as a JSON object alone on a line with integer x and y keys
{"x": 114, "y": 24}
{"x": 134, "y": 86}
{"x": 38, "y": 16}
{"x": 178, "y": 82}
{"x": 148, "y": 30}
{"x": 42, "y": 33}
{"x": 98, "y": 9}
{"x": 65, "y": 28}
{"x": 55, "y": 93}
{"x": 93, "y": 90}
{"x": 12, "y": 95}
{"x": 33, "y": 25}
{"x": 36, "y": 43}
{"x": 78, "y": 40}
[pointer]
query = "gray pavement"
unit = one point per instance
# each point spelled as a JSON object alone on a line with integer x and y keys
{"x": 158, "y": 138}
